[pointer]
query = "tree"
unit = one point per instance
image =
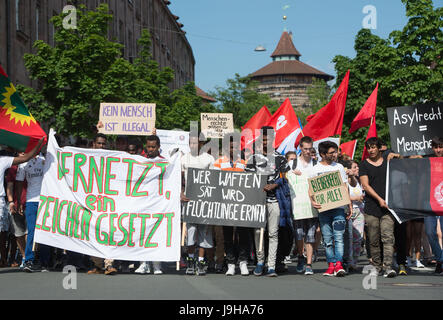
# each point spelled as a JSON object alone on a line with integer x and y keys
{"x": 241, "y": 98}
{"x": 319, "y": 94}
{"x": 84, "y": 68}
{"x": 407, "y": 66}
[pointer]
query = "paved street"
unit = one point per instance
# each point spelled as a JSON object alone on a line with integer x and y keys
{"x": 175, "y": 285}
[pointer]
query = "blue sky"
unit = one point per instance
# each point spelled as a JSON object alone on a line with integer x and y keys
{"x": 224, "y": 33}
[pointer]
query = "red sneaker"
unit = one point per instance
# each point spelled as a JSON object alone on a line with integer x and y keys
{"x": 330, "y": 271}
{"x": 338, "y": 270}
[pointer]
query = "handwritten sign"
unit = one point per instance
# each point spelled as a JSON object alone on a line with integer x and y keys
{"x": 216, "y": 125}
{"x": 127, "y": 118}
{"x": 412, "y": 128}
{"x": 301, "y": 204}
{"x": 225, "y": 198}
{"x": 329, "y": 191}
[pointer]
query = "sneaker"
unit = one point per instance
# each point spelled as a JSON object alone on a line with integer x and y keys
{"x": 287, "y": 260}
{"x": 244, "y": 268}
{"x": 402, "y": 270}
{"x": 110, "y": 271}
{"x": 219, "y": 268}
{"x": 258, "y": 271}
{"x": 157, "y": 267}
{"x": 231, "y": 269}
{"x": 338, "y": 270}
{"x": 418, "y": 264}
{"x": 32, "y": 267}
{"x": 309, "y": 270}
{"x": 23, "y": 264}
{"x": 301, "y": 264}
{"x": 330, "y": 271}
{"x": 271, "y": 273}
{"x": 190, "y": 266}
{"x": 438, "y": 269}
{"x": 44, "y": 269}
{"x": 201, "y": 268}
{"x": 143, "y": 268}
{"x": 390, "y": 273}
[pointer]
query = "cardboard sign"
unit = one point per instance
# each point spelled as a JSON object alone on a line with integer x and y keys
{"x": 127, "y": 118}
{"x": 225, "y": 198}
{"x": 412, "y": 128}
{"x": 301, "y": 204}
{"x": 329, "y": 191}
{"x": 216, "y": 125}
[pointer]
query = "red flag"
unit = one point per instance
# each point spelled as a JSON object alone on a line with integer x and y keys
{"x": 18, "y": 128}
{"x": 349, "y": 148}
{"x": 286, "y": 126}
{"x": 372, "y": 133}
{"x": 257, "y": 121}
{"x": 328, "y": 121}
{"x": 363, "y": 118}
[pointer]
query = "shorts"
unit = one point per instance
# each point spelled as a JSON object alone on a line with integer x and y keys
{"x": 305, "y": 229}
{"x": 4, "y": 216}
{"x": 18, "y": 225}
{"x": 200, "y": 235}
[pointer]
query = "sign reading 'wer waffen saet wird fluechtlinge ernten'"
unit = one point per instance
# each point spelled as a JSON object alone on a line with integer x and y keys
{"x": 412, "y": 128}
{"x": 127, "y": 118}
{"x": 225, "y": 198}
{"x": 329, "y": 191}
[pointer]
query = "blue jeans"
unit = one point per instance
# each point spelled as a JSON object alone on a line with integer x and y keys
{"x": 31, "y": 217}
{"x": 332, "y": 225}
{"x": 431, "y": 232}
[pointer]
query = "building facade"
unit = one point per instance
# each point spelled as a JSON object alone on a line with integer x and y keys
{"x": 24, "y": 21}
{"x": 286, "y": 76}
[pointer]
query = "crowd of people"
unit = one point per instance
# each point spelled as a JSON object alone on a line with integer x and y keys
{"x": 345, "y": 233}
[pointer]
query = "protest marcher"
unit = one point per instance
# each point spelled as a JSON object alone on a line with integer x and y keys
{"x": 431, "y": 221}
{"x": 153, "y": 154}
{"x": 290, "y": 156}
{"x": 332, "y": 222}
{"x": 414, "y": 243}
{"x": 231, "y": 161}
{"x": 121, "y": 143}
{"x": 357, "y": 220}
{"x": 100, "y": 142}
{"x": 5, "y": 163}
{"x": 305, "y": 229}
{"x": 273, "y": 164}
{"x": 379, "y": 220}
{"x": 197, "y": 235}
{"x": 16, "y": 208}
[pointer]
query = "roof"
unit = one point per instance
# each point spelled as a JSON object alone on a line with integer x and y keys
{"x": 285, "y": 47}
{"x": 204, "y": 95}
{"x": 290, "y": 67}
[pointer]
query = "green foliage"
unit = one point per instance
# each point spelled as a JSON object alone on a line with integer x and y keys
{"x": 84, "y": 68}
{"x": 241, "y": 99}
{"x": 319, "y": 94}
{"x": 407, "y": 66}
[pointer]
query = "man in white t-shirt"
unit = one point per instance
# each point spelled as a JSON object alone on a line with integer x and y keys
{"x": 197, "y": 234}
{"x": 6, "y": 163}
{"x": 332, "y": 222}
{"x": 305, "y": 228}
{"x": 32, "y": 171}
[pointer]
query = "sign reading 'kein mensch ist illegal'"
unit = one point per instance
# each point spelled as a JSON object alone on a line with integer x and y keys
{"x": 412, "y": 128}
{"x": 127, "y": 118}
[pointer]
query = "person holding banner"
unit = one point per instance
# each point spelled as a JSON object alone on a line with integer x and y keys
{"x": 231, "y": 161}
{"x": 379, "y": 220}
{"x": 197, "y": 234}
{"x": 333, "y": 221}
{"x": 305, "y": 228}
{"x": 269, "y": 162}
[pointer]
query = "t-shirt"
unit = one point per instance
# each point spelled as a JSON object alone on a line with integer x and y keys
{"x": 32, "y": 171}
{"x": 377, "y": 180}
{"x": 5, "y": 163}
{"x": 272, "y": 166}
{"x": 202, "y": 161}
{"x": 320, "y": 169}
{"x": 12, "y": 174}
{"x": 356, "y": 191}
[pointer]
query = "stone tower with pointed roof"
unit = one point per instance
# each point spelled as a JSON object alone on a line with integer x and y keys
{"x": 286, "y": 76}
